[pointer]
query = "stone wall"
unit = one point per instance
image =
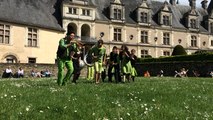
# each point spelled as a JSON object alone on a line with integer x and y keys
{"x": 169, "y": 68}
{"x": 37, "y": 67}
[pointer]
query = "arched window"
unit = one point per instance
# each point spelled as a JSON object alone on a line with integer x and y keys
{"x": 10, "y": 59}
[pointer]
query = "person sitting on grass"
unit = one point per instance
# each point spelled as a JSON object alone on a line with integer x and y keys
{"x": 47, "y": 73}
{"x": 8, "y": 72}
{"x": 147, "y": 74}
{"x": 182, "y": 73}
{"x": 20, "y": 73}
{"x": 211, "y": 74}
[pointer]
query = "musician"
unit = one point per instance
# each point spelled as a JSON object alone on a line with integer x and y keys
{"x": 133, "y": 59}
{"x": 99, "y": 57}
{"x": 126, "y": 66}
{"x": 76, "y": 63}
{"x": 65, "y": 53}
{"x": 114, "y": 64}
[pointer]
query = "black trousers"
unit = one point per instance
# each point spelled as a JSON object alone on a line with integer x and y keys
{"x": 116, "y": 73}
{"x": 77, "y": 70}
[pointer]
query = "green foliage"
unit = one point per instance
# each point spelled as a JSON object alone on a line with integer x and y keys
{"x": 193, "y": 57}
{"x": 178, "y": 50}
{"x": 146, "y": 98}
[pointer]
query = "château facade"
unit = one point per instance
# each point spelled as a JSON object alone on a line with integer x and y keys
{"x": 30, "y": 30}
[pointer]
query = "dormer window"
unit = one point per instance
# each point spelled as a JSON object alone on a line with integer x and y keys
{"x": 165, "y": 15}
{"x": 211, "y": 28}
{"x": 86, "y": 12}
{"x": 193, "y": 23}
{"x": 144, "y": 17}
{"x": 166, "y": 20}
{"x": 117, "y": 11}
{"x": 117, "y": 14}
{"x": 143, "y": 13}
{"x": 72, "y": 10}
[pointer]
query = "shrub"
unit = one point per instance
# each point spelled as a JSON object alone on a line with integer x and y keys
{"x": 178, "y": 50}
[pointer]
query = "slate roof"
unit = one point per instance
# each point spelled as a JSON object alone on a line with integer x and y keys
{"x": 38, "y": 13}
{"x": 178, "y": 11}
{"x": 47, "y": 14}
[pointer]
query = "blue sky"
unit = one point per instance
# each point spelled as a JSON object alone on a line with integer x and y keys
{"x": 186, "y": 2}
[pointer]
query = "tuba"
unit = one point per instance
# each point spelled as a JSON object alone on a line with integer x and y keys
{"x": 88, "y": 58}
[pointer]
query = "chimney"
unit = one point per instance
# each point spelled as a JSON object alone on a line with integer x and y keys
{"x": 177, "y": 2}
{"x": 192, "y": 3}
{"x": 204, "y": 4}
{"x": 173, "y": 2}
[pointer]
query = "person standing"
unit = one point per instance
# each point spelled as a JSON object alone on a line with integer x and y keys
{"x": 99, "y": 56}
{"x": 114, "y": 64}
{"x": 76, "y": 64}
{"x": 126, "y": 66}
{"x": 65, "y": 53}
{"x": 133, "y": 59}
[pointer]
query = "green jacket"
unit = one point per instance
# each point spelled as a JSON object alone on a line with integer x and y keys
{"x": 63, "y": 51}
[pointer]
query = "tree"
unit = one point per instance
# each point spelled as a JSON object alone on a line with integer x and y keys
{"x": 179, "y": 50}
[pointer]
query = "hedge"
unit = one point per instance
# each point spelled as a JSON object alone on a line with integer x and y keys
{"x": 193, "y": 57}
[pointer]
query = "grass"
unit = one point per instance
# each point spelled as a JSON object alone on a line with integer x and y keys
{"x": 147, "y": 98}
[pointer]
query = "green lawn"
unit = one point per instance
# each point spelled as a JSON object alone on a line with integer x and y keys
{"x": 147, "y": 98}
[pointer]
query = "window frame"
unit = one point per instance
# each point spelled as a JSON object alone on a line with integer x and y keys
{"x": 166, "y": 53}
{"x": 166, "y": 38}
{"x": 5, "y": 28}
{"x": 30, "y": 59}
{"x": 144, "y": 53}
{"x": 193, "y": 41}
{"x": 144, "y": 17}
{"x": 117, "y": 13}
{"x": 193, "y": 23}
{"x": 72, "y": 10}
{"x": 211, "y": 43}
{"x": 86, "y": 12}
{"x": 144, "y": 37}
{"x": 166, "y": 20}
{"x": 211, "y": 27}
{"x": 31, "y": 41}
{"x": 117, "y": 34}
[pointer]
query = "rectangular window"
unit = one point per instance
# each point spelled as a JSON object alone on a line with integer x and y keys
{"x": 32, "y": 37}
{"x": 166, "y": 20}
{"x": 193, "y": 41}
{"x": 72, "y": 10}
{"x": 117, "y": 34}
{"x": 31, "y": 60}
{"x": 211, "y": 42}
{"x": 166, "y": 38}
{"x": 4, "y": 34}
{"x": 117, "y": 14}
{"x": 144, "y": 37}
{"x": 166, "y": 53}
{"x": 86, "y": 12}
{"x": 144, "y": 53}
{"x": 211, "y": 28}
{"x": 193, "y": 23}
{"x": 144, "y": 17}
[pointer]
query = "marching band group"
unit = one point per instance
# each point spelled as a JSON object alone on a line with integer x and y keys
{"x": 121, "y": 62}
